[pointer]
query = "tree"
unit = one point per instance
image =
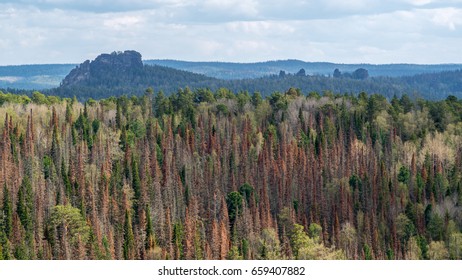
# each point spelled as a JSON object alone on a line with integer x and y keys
{"x": 269, "y": 245}
{"x": 455, "y": 246}
{"x": 25, "y": 205}
{"x": 404, "y": 175}
{"x": 301, "y": 73}
{"x": 437, "y": 251}
{"x": 306, "y": 248}
{"x": 73, "y": 222}
{"x": 246, "y": 190}
{"x": 39, "y": 98}
{"x": 404, "y": 228}
{"x": 337, "y": 73}
{"x": 360, "y": 74}
{"x": 234, "y": 203}
{"x": 150, "y": 238}
{"x": 7, "y": 212}
{"x": 129, "y": 239}
{"x": 348, "y": 240}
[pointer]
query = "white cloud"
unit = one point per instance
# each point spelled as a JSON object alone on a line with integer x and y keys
{"x": 374, "y": 31}
{"x": 122, "y": 22}
{"x": 448, "y": 17}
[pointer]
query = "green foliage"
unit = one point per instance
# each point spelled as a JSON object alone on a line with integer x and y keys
{"x": 243, "y": 98}
{"x": 257, "y": 99}
{"x": 269, "y": 245}
{"x": 455, "y": 246}
{"x": 137, "y": 128}
{"x": 404, "y": 228}
{"x": 25, "y": 205}
{"x": 436, "y": 227}
{"x": 311, "y": 160}
{"x": 315, "y": 231}
{"x": 222, "y": 108}
{"x": 278, "y": 101}
{"x": 7, "y": 224}
{"x": 39, "y": 98}
{"x": 437, "y": 251}
{"x": 247, "y": 191}
{"x": 71, "y": 218}
{"x": 404, "y": 175}
{"x": 150, "y": 238}
{"x": 367, "y": 252}
{"x": 129, "y": 238}
{"x": 13, "y": 98}
{"x": 178, "y": 237}
{"x": 306, "y": 248}
{"x": 234, "y": 203}
{"x": 136, "y": 184}
{"x": 47, "y": 166}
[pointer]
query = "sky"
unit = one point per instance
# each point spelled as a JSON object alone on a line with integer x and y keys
{"x": 341, "y": 31}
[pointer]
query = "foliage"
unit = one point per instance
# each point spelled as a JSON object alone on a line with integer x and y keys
{"x": 72, "y": 219}
{"x": 213, "y": 175}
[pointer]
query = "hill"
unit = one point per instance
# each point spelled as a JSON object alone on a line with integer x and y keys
{"x": 124, "y": 73}
{"x": 228, "y": 70}
{"x": 41, "y": 76}
{"x": 46, "y": 76}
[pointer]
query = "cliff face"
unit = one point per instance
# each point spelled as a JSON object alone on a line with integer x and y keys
{"x": 117, "y": 63}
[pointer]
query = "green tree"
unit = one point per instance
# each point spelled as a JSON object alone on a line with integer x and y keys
{"x": 70, "y": 218}
{"x": 246, "y": 190}
{"x": 150, "y": 238}
{"x": 39, "y": 98}
{"x": 455, "y": 246}
{"x": 404, "y": 175}
{"x": 404, "y": 228}
{"x": 234, "y": 203}
{"x": 437, "y": 251}
{"x": 7, "y": 213}
{"x": 129, "y": 238}
{"x": 306, "y": 248}
{"x": 269, "y": 245}
{"x": 25, "y": 205}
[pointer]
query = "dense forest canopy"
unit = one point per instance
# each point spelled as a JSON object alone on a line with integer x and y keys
{"x": 434, "y": 86}
{"x": 204, "y": 174}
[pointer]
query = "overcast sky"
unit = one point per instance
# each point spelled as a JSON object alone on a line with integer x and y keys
{"x": 345, "y": 31}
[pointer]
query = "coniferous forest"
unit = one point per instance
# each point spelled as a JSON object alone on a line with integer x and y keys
{"x": 222, "y": 175}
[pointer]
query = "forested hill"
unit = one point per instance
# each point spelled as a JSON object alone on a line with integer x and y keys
{"x": 230, "y": 70}
{"x": 124, "y": 73}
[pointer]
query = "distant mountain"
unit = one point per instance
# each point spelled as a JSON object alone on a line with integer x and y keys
{"x": 228, "y": 70}
{"x": 45, "y": 76}
{"x": 124, "y": 73}
{"x": 107, "y": 70}
{"x": 40, "y": 76}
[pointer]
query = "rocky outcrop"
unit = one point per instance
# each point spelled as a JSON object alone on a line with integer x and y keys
{"x": 88, "y": 73}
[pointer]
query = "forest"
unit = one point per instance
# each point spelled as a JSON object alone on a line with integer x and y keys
{"x": 122, "y": 73}
{"x": 204, "y": 174}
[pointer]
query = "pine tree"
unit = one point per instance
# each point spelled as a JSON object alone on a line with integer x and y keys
{"x": 150, "y": 238}
{"x": 7, "y": 213}
{"x": 129, "y": 239}
{"x": 25, "y": 205}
